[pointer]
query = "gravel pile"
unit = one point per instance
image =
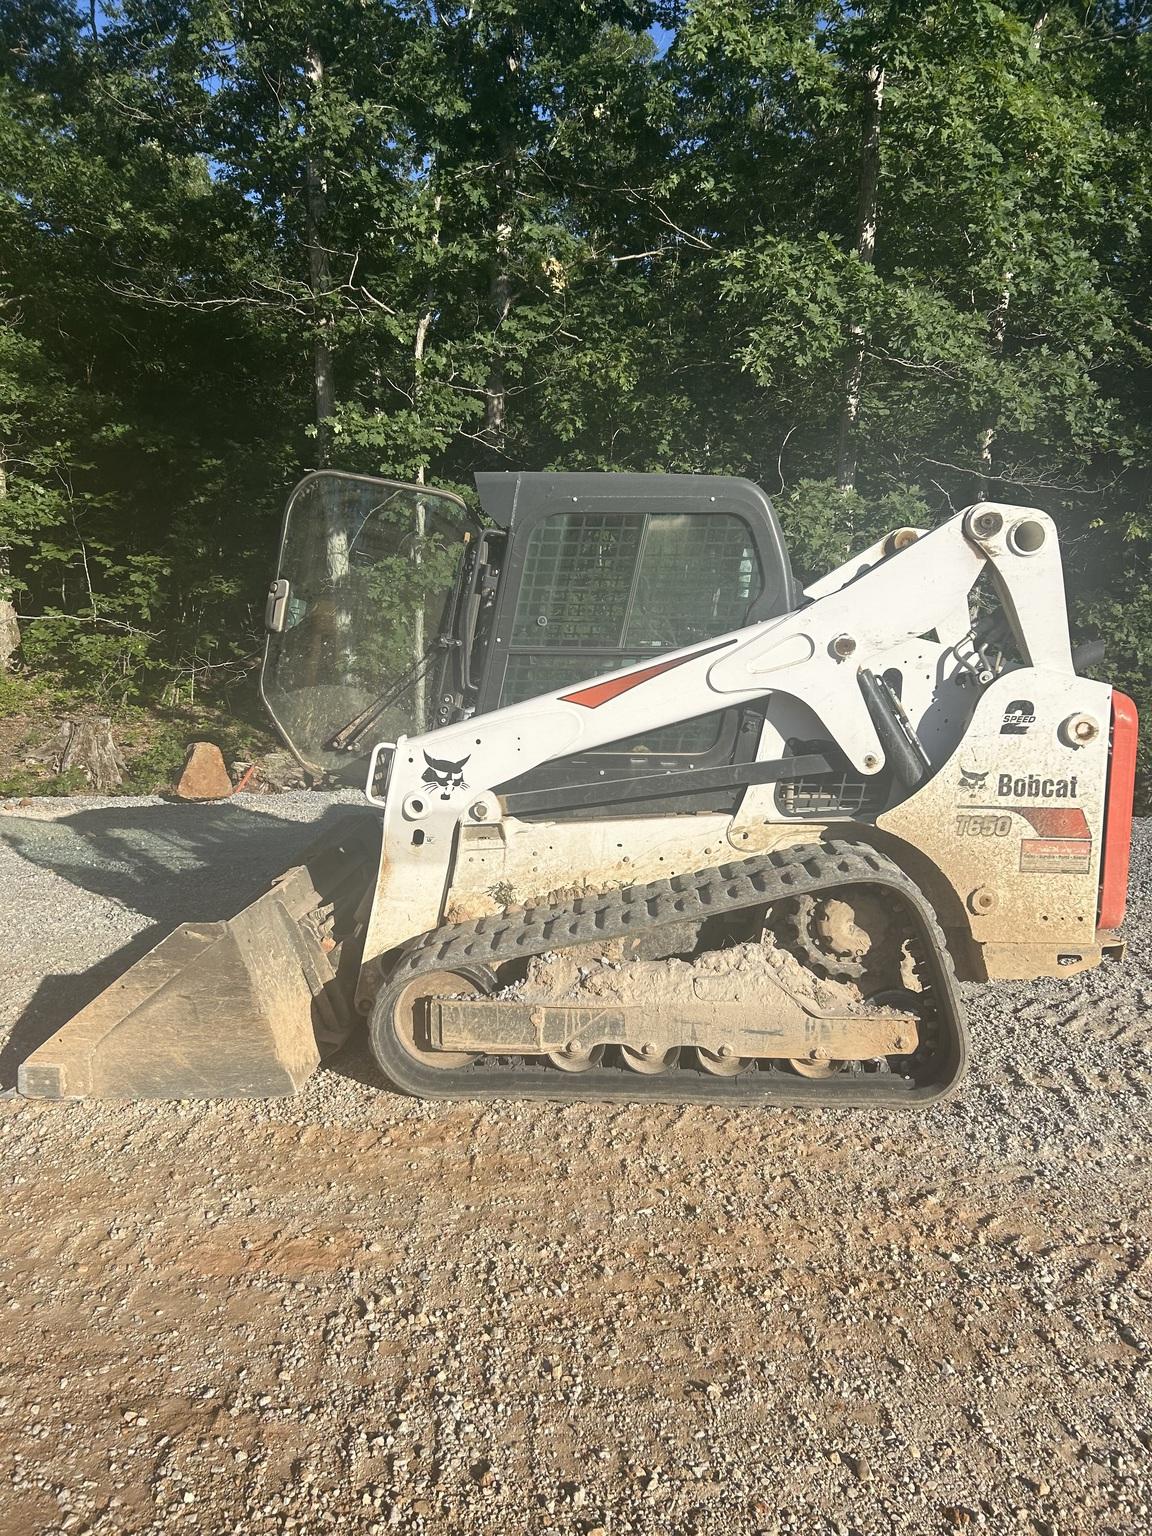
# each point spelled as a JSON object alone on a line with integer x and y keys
{"x": 356, "y": 1313}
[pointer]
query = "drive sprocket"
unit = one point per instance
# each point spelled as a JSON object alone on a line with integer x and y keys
{"x": 853, "y": 935}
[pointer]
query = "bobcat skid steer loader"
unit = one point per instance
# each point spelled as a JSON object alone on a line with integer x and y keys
{"x": 648, "y": 820}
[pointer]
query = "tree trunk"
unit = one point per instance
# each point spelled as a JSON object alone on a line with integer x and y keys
{"x": 419, "y": 635}
{"x": 998, "y": 320}
{"x": 420, "y": 345}
{"x": 320, "y": 281}
{"x": 867, "y": 223}
{"x": 9, "y": 624}
{"x": 499, "y": 294}
{"x": 997, "y": 330}
{"x": 320, "y": 277}
{"x": 500, "y": 278}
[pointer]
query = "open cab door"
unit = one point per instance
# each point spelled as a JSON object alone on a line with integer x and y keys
{"x": 362, "y": 616}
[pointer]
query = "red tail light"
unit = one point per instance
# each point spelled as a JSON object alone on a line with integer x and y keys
{"x": 1118, "y": 813}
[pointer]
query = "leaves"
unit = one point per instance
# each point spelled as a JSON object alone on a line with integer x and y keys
{"x": 647, "y": 254}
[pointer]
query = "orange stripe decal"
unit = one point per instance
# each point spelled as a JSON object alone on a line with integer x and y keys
{"x": 600, "y": 693}
{"x": 1054, "y": 820}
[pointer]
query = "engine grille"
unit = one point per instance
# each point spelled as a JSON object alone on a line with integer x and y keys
{"x": 841, "y": 793}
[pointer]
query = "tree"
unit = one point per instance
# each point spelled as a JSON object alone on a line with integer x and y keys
{"x": 885, "y": 260}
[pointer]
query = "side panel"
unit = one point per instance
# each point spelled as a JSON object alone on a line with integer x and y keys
{"x": 1014, "y": 821}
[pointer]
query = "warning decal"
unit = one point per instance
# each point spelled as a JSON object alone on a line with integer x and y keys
{"x": 1063, "y": 841}
{"x": 1063, "y": 844}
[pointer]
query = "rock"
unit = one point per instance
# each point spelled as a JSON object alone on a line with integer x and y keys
{"x": 280, "y": 770}
{"x": 204, "y": 777}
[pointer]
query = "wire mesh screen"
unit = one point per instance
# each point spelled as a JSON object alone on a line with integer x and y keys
{"x": 697, "y": 575}
{"x": 604, "y": 589}
{"x": 578, "y": 572}
{"x": 653, "y": 581}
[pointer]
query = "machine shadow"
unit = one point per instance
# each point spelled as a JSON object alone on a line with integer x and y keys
{"x": 171, "y": 864}
{"x": 355, "y": 1062}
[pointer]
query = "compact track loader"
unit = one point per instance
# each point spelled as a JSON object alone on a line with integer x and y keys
{"x": 649, "y": 821}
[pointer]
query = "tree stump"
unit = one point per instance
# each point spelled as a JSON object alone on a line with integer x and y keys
{"x": 91, "y": 749}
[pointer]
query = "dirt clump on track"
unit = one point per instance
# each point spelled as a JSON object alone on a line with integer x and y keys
{"x": 357, "y": 1313}
{"x": 601, "y": 973}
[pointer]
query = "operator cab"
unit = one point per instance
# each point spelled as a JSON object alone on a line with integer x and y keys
{"x": 395, "y": 611}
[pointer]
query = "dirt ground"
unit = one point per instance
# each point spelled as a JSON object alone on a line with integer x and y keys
{"x": 357, "y": 1313}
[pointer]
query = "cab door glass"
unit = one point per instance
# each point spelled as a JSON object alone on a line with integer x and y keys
{"x": 360, "y": 614}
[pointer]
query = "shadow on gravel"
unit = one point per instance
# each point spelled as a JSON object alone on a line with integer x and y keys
{"x": 355, "y": 1062}
{"x": 171, "y": 864}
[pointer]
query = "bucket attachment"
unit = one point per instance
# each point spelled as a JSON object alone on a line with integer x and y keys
{"x": 239, "y": 1009}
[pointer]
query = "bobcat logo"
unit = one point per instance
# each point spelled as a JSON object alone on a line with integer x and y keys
{"x": 971, "y": 781}
{"x": 444, "y": 775}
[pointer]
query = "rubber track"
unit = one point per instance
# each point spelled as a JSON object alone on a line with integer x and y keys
{"x": 811, "y": 869}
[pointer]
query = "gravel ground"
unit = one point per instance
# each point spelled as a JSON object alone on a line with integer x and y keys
{"x": 356, "y": 1313}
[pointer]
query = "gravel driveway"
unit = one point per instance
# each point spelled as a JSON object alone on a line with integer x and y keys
{"x": 356, "y": 1313}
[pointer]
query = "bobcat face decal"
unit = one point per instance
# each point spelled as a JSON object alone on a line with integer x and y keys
{"x": 445, "y": 776}
{"x": 972, "y": 781}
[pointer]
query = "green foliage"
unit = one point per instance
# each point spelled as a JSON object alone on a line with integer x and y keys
{"x": 521, "y": 234}
{"x": 18, "y": 782}
{"x": 24, "y": 695}
{"x": 823, "y": 525}
{"x": 153, "y": 739}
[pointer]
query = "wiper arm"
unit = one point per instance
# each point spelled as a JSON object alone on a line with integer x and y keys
{"x": 345, "y": 739}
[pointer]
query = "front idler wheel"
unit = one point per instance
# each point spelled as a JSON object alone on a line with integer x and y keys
{"x": 411, "y": 1021}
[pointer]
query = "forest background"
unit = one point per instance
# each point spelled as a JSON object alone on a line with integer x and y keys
{"x": 883, "y": 258}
